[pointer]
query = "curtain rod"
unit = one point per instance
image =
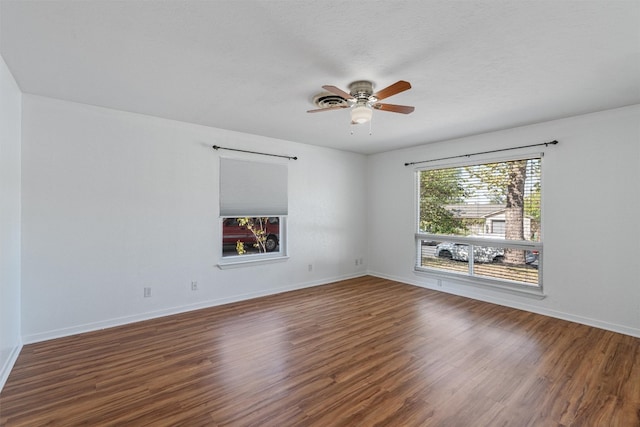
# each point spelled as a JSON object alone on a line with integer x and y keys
{"x": 546, "y": 144}
{"x": 217, "y": 147}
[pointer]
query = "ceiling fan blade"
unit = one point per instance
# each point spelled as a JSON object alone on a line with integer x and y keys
{"x": 337, "y": 91}
{"x": 404, "y": 109}
{"x": 397, "y": 87}
{"x": 337, "y": 107}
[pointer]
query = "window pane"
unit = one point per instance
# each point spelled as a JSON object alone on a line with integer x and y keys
{"x": 498, "y": 200}
{"x": 250, "y": 235}
{"x": 443, "y": 256}
{"x": 516, "y": 265}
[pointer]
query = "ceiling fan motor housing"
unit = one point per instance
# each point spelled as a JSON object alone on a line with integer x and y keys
{"x": 362, "y": 91}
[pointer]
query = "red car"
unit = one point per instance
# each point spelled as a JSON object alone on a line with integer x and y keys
{"x": 232, "y": 232}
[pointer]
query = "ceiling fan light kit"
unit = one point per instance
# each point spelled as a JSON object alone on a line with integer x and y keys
{"x": 361, "y": 100}
{"x": 361, "y": 114}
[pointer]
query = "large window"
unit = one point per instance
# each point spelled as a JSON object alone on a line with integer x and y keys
{"x": 253, "y": 210}
{"x": 482, "y": 221}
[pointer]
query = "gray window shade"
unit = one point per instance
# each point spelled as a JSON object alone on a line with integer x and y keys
{"x": 252, "y": 188}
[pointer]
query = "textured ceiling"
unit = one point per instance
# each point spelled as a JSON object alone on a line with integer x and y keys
{"x": 254, "y": 66}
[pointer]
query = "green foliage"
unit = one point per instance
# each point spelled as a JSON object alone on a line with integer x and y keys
{"x": 258, "y": 227}
{"x": 438, "y": 188}
{"x": 532, "y": 203}
{"x": 532, "y": 210}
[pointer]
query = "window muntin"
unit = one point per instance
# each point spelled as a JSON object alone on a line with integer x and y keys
{"x": 490, "y": 209}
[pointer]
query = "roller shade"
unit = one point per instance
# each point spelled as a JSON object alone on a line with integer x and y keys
{"x": 249, "y": 188}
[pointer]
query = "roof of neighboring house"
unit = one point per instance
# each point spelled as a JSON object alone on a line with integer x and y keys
{"x": 479, "y": 210}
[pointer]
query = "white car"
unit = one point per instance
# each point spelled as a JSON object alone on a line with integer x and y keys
{"x": 460, "y": 252}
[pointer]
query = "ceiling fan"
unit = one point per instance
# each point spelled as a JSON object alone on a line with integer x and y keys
{"x": 361, "y": 100}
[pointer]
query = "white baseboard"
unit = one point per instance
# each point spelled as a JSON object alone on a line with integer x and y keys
{"x": 613, "y": 327}
{"x": 109, "y": 323}
{"x": 8, "y": 365}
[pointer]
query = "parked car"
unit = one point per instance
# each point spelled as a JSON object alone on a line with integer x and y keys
{"x": 460, "y": 252}
{"x": 232, "y": 232}
{"x": 531, "y": 258}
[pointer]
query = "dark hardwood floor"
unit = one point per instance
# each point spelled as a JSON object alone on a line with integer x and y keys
{"x": 362, "y": 352}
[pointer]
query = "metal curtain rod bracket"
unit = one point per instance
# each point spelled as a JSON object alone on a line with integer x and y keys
{"x": 546, "y": 144}
{"x": 217, "y": 147}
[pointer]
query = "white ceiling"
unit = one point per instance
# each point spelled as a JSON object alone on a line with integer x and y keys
{"x": 254, "y": 66}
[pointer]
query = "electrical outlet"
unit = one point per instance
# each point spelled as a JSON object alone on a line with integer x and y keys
{"x": 147, "y": 292}
{"x": 194, "y": 285}
{"x": 356, "y": 261}
{"x": 310, "y": 267}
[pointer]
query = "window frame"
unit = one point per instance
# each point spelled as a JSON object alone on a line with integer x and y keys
{"x": 235, "y": 261}
{"x": 469, "y": 277}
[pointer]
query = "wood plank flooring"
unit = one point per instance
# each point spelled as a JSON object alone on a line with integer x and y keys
{"x": 362, "y": 352}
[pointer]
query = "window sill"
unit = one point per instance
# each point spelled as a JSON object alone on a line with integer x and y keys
{"x": 483, "y": 283}
{"x": 236, "y": 263}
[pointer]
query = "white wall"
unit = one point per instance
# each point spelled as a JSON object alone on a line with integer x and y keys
{"x": 114, "y": 202}
{"x": 591, "y": 200}
{"x": 10, "y": 116}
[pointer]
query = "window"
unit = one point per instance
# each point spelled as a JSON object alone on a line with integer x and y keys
{"x": 253, "y": 210}
{"x": 482, "y": 221}
{"x": 498, "y": 226}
